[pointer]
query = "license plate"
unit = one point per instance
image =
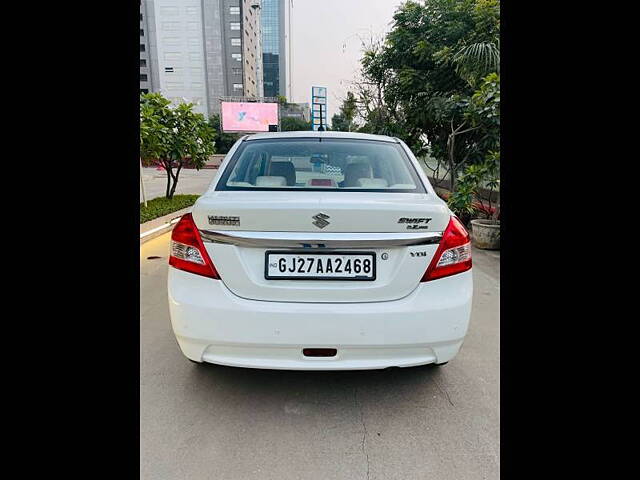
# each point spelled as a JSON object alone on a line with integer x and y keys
{"x": 320, "y": 266}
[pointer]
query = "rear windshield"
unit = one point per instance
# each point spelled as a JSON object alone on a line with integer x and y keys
{"x": 320, "y": 164}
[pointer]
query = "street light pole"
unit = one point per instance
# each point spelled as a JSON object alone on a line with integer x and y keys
{"x": 144, "y": 194}
{"x": 290, "y": 79}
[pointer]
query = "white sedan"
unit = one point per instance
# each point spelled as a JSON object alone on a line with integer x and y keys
{"x": 320, "y": 251}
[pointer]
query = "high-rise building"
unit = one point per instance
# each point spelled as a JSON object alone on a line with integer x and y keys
{"x": 250, "y": 45}
{"x": 273, "y": 47}
{"x": 238, "y": 35}
{"x": 146, "y": 79}
{"x": 202, "y": 50}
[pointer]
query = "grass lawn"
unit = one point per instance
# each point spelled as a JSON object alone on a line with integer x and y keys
{"x": 162, "y": 206}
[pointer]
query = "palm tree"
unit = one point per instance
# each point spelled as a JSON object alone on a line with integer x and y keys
{"x": 477, "y": 60}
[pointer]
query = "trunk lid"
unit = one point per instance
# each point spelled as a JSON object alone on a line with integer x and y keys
{"x": 240, "y": 227}
{"x": 293, "y": 212}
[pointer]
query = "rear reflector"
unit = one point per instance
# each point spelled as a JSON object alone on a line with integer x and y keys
{"x": 319, "y": 352}
{"x": 453, "y": 254}
{"x": 187, "y": 250}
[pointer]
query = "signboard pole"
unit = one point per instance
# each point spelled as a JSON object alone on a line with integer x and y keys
{"x": 321, "y": 127}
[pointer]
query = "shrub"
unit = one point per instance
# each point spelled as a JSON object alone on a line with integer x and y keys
{"x": 161, "y": 206}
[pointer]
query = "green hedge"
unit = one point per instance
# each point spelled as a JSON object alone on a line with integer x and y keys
{"x": 163, "y": 206}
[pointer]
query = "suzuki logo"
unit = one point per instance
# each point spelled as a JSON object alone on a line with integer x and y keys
{"x": 320, "y": 220}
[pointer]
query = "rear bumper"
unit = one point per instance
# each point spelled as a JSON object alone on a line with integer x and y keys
{"x": 213, "y": 325}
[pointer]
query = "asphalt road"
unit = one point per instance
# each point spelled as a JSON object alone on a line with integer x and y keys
{"x": 228, "y": 423}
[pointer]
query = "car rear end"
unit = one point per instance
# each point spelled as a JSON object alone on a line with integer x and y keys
{"x": 320, "y": 251}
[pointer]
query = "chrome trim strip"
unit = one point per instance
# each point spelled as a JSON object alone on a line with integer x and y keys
{"x": 320, "y": 240}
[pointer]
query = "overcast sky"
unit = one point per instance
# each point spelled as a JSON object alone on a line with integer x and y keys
{"x": 326, "y": 45}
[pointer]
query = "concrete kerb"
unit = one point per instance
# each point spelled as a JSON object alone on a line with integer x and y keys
{"x": 160, "y": 225}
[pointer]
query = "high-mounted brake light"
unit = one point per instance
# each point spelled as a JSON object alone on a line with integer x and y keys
{"x": 453, "y": 254}
{"x": 321, "y": 182}
{"x": 187, "y": 250}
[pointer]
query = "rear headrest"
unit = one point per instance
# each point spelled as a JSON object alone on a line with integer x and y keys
{"x": 284, "y": 169}
{"x": 271, "y": 181}
{"x": 372, "y": 183}
{"x": 354, "y": 171}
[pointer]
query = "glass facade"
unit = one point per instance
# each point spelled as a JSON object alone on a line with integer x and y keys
{"x": 270, "y": 20}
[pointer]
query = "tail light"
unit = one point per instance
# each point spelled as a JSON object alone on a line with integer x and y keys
{"x": 453, "y": 254}
{"x": 187, "y": 250}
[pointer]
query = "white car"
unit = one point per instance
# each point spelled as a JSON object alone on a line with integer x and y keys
{"x": 320, "y": 251}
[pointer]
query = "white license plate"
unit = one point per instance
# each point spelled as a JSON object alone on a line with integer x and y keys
{"x": 319, "y": 266}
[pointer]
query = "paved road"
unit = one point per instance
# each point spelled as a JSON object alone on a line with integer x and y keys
{"x": 189, "y": 181}
{"x": 226, "y": 423}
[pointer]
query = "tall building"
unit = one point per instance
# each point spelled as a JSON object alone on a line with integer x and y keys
{"x": 250, "y": 45}
{"x": 273, "y": 47}
{"x": 238, "y": 36}
{"x": 146, "y": 81}
{"x": 202, "y": 50}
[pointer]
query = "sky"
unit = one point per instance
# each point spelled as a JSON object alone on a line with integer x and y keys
{"x": 326, "y": 43}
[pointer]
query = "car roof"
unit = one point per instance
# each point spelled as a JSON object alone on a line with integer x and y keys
{"x": 315, "y": 134}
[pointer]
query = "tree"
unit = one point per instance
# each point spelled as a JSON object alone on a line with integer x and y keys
{"x": 379, "y": 113}
{"x": 173, "y": 135}
{"x": 291, "y": 124}
{"x": 478, "y": 55}
{"x": 482, "y": 114}
{"x": 418, "y": 83}
{"x": 343, "y": 121}
{"x": 223, "y": 141}
{"x": 339, "y": 123}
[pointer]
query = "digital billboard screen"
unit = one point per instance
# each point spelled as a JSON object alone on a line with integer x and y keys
{"x": 248, "y": 117}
